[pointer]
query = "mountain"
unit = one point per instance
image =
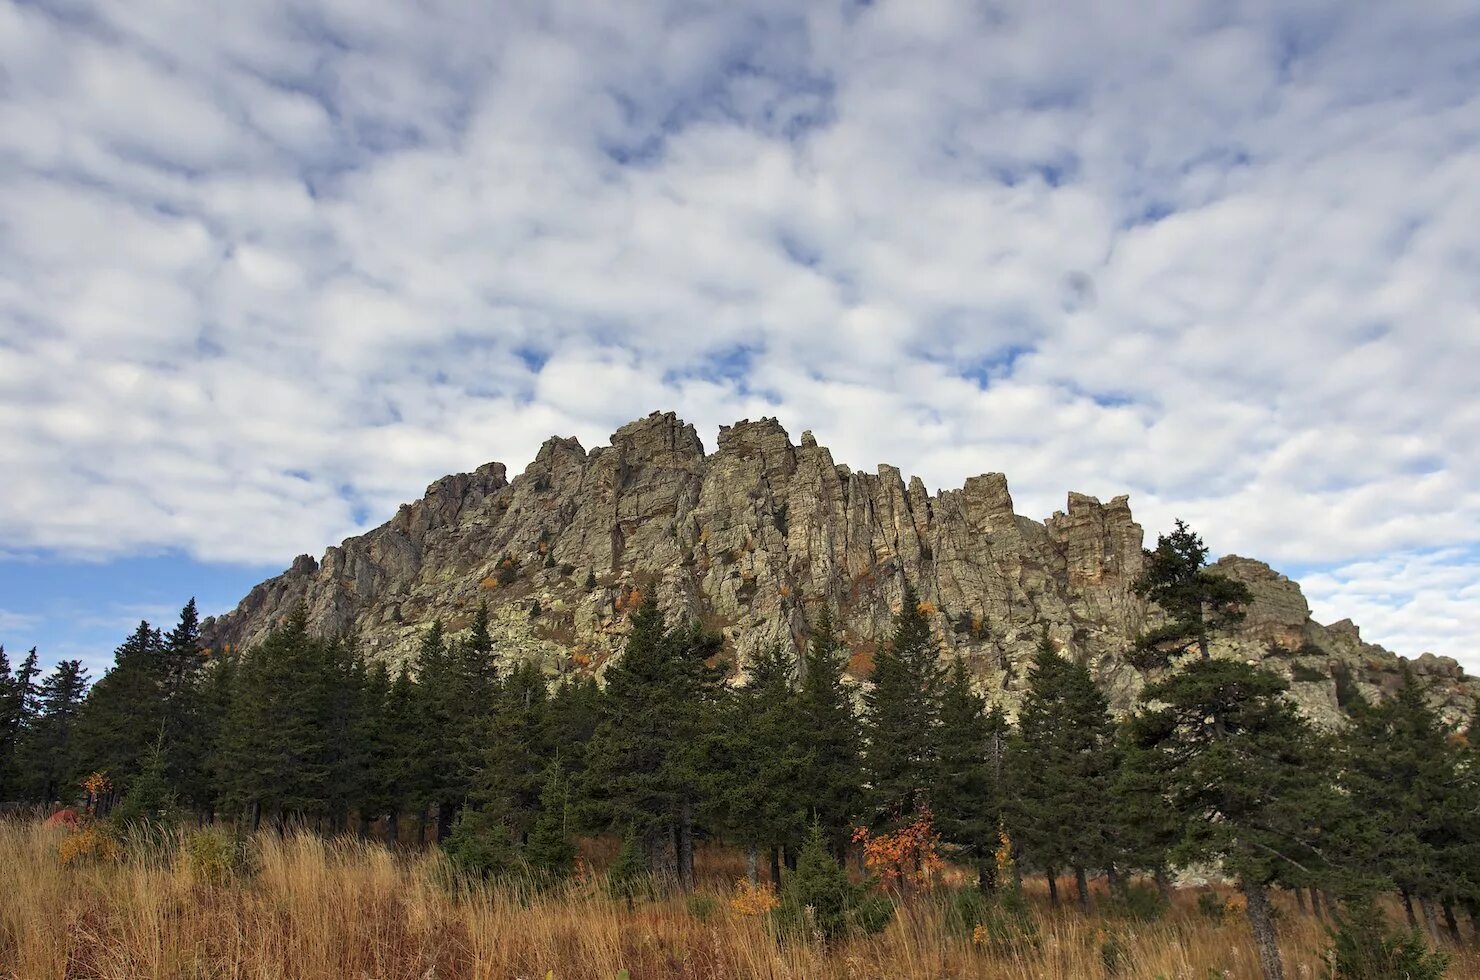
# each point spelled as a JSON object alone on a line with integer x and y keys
{"x": 753, "y": 537}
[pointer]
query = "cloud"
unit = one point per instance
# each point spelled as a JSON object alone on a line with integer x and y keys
{"x": 267, "y": 271}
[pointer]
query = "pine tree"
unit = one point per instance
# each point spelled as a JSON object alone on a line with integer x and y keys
{"x": 756, "y": 760}
{"x": 645, "y": 768}
{"x": 48, "y": 751}
{"x": 10, "y": 723}
{"x": 1407, "y": 784}
{"x": 511, "y": 773}
{"x": 123, "y": 718}
{"x": 276, "y": 754}
{"x": 967, "y": 807}
{"x": 829, "y": 731}
{"x": 1062, "y": 766}
{"x": 1197, "y": 601}
{"x": 550, "y": 851}
{"x": 903, "y": 716}
{"x": 1237, "y": 765}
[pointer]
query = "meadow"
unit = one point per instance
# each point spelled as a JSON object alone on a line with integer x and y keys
{"x": 325, "y": 909}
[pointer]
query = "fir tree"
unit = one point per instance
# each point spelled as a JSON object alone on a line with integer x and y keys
{"x": 1062, "y": 766}
{"x": 966, "y": 802}
{"x": 645, "y": 767}
{"x": 829, "y": 732}
{"x": 1197, "y": 601}
{"x": 511, "y": 773}
{"x": 1237, "y": 765}
{"x": 48, "y": 751}
{"x": 757, "y": 762}
{"x": 903, "y": 716}
{"x": 550, "y": 851}
{"x": 123, "y": 718}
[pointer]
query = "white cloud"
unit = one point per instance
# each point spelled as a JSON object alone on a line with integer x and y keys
{"x": 267, "y": 268}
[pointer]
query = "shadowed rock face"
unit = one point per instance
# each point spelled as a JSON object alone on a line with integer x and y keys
{"x": 752, "y": 539}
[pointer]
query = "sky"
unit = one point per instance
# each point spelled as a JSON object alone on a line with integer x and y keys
{"x": 269, "y": 268}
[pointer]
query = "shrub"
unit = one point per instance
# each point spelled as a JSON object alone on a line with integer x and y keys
{"x": 148, "y": 811}
{"x": 214, "y": 855}
{"x": 753, "y": 899}
{"x": 1005, "y": 925}
{"x": 703, "y": 906}
{"x": 1364, "y": 948}
{"x": 819, "y": 902}
{"x": 628, "y": 876}
{"x": 1139, "y": 902}
{"x": 480, "y": 846}
{"x": 1212, "y": 906}
{"x": 91, "y": 843}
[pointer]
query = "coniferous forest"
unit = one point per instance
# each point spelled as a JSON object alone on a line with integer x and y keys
{"x": 843, "y": 808}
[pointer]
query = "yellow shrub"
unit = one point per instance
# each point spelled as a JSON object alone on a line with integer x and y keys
{"x": 754, "y": 899}
{"x": 92, "y": 843}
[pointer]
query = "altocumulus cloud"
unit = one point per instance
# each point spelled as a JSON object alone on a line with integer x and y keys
{"x": 268, "y": 268}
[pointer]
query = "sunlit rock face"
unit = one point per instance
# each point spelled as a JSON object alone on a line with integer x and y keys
{"x": 754, "y": 538}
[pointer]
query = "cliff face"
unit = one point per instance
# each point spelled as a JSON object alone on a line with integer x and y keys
{"x": 752, "y": 539}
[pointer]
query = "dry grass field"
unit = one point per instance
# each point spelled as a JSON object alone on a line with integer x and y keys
{"x": 326, "y": 910}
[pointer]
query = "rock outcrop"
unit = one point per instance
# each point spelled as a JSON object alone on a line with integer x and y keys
{"x": 753, "y": 539}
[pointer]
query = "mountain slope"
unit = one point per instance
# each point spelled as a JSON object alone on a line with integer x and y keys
{"x": 752, "y": 537}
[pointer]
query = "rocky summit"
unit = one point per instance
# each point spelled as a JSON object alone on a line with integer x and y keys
{"x": 753, "y": 538}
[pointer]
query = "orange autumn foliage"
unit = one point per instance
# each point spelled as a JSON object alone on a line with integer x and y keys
{"x": 910, "y": 856}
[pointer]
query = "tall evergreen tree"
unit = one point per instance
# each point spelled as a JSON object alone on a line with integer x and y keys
{"x": 966, "y": 802}
{"x": 829, "y": 732}
{"x": 1237, "y": 765}
{"x": 511, "y": 776}
{"x": 757, "y": 760}
{"x": 1062, "y": 766}
{"x": 903, "y": 717}
{"x": 48, "y": 756}
{"x": 123, "y": 719}
{"x": 1197, "y": 601}
{"x": 10, "y": 727}
{"x": 550, "y": 850}
{"x": 276, "y": 757}
{"x": 645, "y": 769}
{"x": 1406, "y": 782}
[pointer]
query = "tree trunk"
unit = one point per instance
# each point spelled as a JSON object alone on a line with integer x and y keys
{"x": 1408, "y": 908}
{"x": 686, "y": 847}
{"x": 1116, "y": 880}
{"x": 1300, "y": 900}
{"x": 254, "y": 816}
{"x": 393, "y": 828}
{"x": 752, "y": 862}
{"x": 421, "y": 828}
{"x": 986, "y": 877}
{"x": 1081, "y": 883}
{"x": 1262, "y": 924}
{"x": 362, "y": 824}
{"x": 1430, "y": 922}
{"x": 1163, "y": 884}
{"x": 1053, "y": 888}
{"x": 776, "y": 867}
{"x": 1451, "y": 924}
{"x": 446, "y": 813}
{"x": 1318, "y": 904}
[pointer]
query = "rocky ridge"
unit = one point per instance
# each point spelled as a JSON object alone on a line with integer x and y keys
{"x": 754, "y": 537}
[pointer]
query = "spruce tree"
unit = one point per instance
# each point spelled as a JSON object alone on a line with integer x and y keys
{"x": 1062, "y": 766}
{"x": 511, "y": 772}
{"x": 48, "y": 752}
{"x": 645, "y": 768}
{"x": 550, "y": 851}
{"x": 123, "y": 719}
{"x": 1237, "y": 765}
{"x": 10, "y": 725}
{"x": 829, "y": 732}
{"x": 1407, "y": 784}
{"x": 966, "y": 803}
{"x": 757, "y": 762}
{"x": 1197, "y": 601}
{"x": 903, "y": 716}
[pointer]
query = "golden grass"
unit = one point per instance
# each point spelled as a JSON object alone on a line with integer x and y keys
{"x": 344, "y": 909}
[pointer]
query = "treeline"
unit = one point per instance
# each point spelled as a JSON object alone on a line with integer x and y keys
{"x": 484, "y": 753}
